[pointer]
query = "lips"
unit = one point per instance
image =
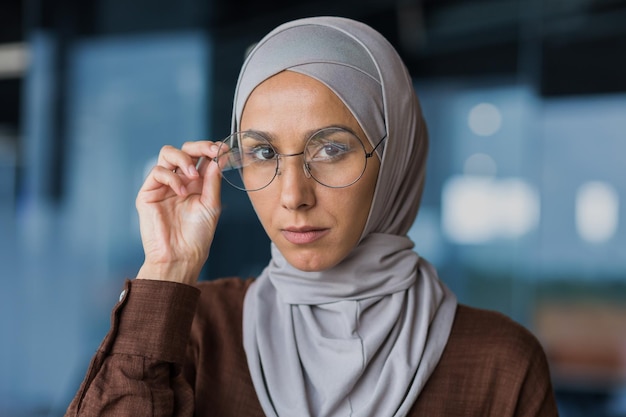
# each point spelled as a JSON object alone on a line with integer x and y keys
{"x": 303, "y": 235}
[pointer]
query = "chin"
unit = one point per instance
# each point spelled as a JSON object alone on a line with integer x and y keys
{"x": 310, "y": 263}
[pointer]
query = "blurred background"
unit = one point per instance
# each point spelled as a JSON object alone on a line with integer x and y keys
{"x": 524, "y": 209}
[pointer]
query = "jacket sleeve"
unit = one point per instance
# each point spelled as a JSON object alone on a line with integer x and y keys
{"x": 536, "y": 397}
{"x": 137, "y": 370}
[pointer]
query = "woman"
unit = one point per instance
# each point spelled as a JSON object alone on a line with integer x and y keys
{"x": 346, "y": 320}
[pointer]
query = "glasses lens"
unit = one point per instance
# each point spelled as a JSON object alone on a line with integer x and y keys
{"x": 335, "y": 157}
{"x": 247, "y": 161}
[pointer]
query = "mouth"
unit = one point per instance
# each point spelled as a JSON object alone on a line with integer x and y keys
{"x": 303, "y": 235}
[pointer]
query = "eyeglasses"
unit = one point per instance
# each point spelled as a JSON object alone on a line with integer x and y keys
{"x": 334, "y": 157}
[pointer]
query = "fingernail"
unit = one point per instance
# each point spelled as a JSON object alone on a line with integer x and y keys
{"x": 192, "y": 171}
{"x": 183, "y": 190}
{"x": 214, "y": 148}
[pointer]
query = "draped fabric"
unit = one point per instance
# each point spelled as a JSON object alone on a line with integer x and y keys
{"x": 361, "y": 338}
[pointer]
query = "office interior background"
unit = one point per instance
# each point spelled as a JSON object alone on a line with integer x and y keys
{"x": 523, "y": 212}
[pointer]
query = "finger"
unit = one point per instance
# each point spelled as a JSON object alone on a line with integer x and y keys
{"x": 177, "y": 160}
{"x": 212, "y": 184}
{"x": 161, "y": 176}
{"x": 199, "y": 148}
{"x": 210, "y": 153}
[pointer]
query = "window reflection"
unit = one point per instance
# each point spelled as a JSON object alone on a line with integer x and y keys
{"x": 597, "y": 211}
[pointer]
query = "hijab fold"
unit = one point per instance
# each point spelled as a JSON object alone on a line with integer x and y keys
{"x": 361, "y": 338}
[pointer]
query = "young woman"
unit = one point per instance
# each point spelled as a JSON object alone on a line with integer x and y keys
{"x": 346, "y": 320}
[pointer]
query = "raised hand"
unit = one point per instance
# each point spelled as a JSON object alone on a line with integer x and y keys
{"x": 179, "y": 206}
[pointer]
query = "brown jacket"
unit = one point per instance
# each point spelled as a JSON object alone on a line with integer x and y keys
{"x": 176, "y": 350}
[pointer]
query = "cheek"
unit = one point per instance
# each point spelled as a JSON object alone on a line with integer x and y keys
{"x": 364, "y": 208}
{"x": 355, "y": 208}
{"x": 366, "y": 194}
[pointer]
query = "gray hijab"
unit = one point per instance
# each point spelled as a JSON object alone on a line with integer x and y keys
{"x": 362, "y": 338}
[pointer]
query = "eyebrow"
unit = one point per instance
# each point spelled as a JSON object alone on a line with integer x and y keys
{"x": 271, "y": 138}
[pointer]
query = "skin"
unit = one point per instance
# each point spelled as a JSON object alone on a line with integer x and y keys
{"x": 313, "y": 226}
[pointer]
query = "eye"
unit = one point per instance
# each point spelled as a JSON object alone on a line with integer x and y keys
{"x": 255, "y": 148}
{"x": 262, "y": 152}
{"x": 331, "y": 150}
{"x": 330, "y": 147}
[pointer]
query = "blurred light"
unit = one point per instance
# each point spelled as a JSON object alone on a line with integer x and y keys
{"x": 148, "y": 166}
{"x": 426, "y": 233}
{"x": 597, "y": 211}
{"x": 484, "y": 119}
{"x": 13, "y": 59}
{"x": 480, "y": 209}
{"x": 480, "y": 164}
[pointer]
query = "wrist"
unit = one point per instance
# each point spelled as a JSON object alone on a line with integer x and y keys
{"x": 180, "y": 272}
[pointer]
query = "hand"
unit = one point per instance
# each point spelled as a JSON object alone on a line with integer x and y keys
{"x": 178, "y": 208}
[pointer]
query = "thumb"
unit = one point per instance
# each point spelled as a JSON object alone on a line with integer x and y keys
{"x": 211, "y": 185}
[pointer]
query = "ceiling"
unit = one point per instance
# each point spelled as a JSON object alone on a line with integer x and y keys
{"x": 563, "y": 47}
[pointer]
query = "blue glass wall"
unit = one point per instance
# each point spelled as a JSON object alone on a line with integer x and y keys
{"x": 547, "y": 228}
{"x": 63, "y": 262}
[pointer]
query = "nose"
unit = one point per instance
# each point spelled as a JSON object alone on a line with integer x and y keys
{"x": 305, "y": 168}
{"x": 296, "y": 188}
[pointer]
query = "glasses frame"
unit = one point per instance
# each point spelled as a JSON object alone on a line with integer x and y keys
{"x": 305, "y": 166}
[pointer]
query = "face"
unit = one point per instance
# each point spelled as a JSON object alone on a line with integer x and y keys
{"x": 313, "y": 226}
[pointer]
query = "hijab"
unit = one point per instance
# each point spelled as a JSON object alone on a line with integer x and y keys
{"x": 363, "y": 337}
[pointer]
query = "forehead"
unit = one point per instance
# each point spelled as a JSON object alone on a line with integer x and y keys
{"x": 292, "y": 88}
{"x": 293, "y": 103}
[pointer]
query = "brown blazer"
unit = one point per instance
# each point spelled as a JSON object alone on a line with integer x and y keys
{"x": 177, "y": 350}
